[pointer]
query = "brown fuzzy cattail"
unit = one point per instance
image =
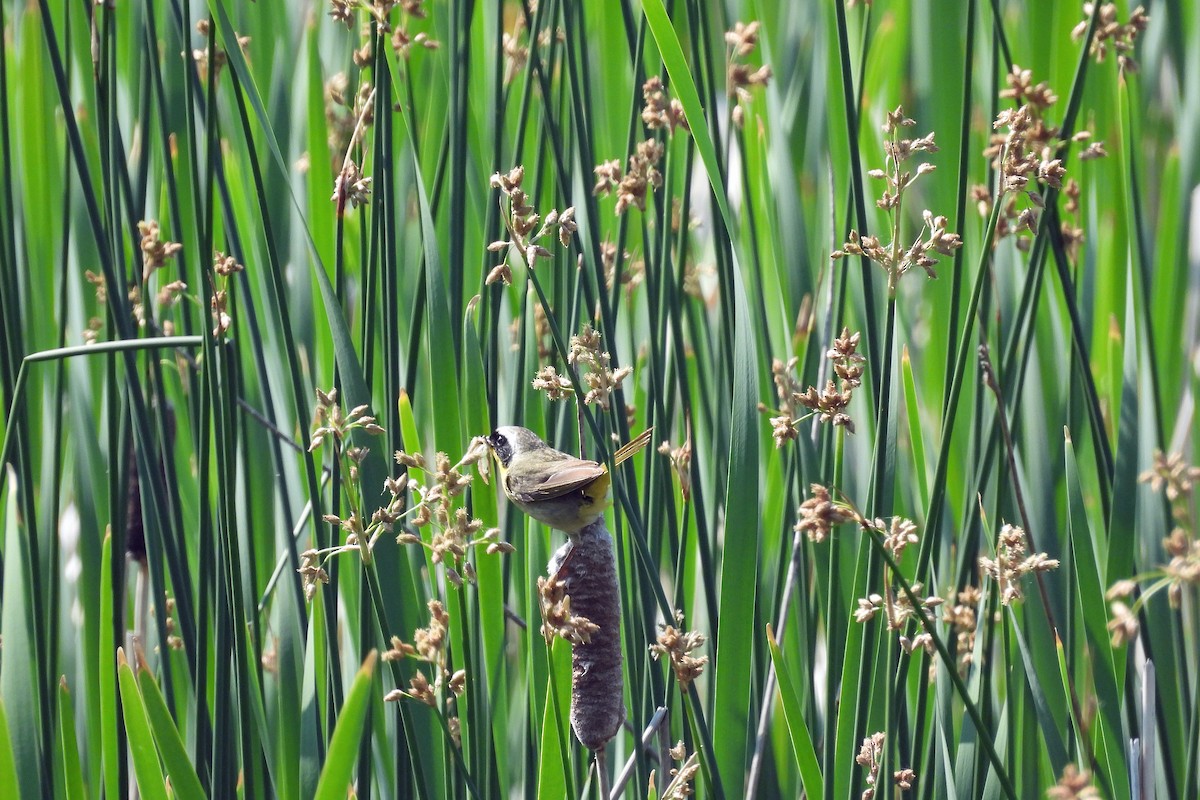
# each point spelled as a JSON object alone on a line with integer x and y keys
{"x": 588, "y": 568}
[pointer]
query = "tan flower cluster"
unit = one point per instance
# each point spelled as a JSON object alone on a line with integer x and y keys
{"x": 640, "y": 179}
{"x": 898, "y": 534}
{"x": 1011, "y": 564}
{"x": 541, "y": 330}
{"x": 677, "y": 645}
{"x": 786, "y": 419}
{"x": 961, "y": 619}
{"x": 741, "y": 77}
{"x": 556, "y": 387}
{"x": 897, "y": 608}
{"x": 155, "y": 252}
{"x": 1074, "y": 784}
{"x": 1123, "y": 625}
{"x": 1024, "y": 151}
{"x": 819, "y": 514}
{"x": 633, "y": 273}
{"x": 174, "y": 641}
{"x": 830, "y": 404}
{"x": 1172, "y": 475}
{"x": 516, "y": 53}
{"x": 682, "y": 776}
{"x": 895, "y": 258}
{"x": 1111, "y": 34}
{"x": 557, "y": 618}
{"x": 660, "y": 111}
{"x": 525, "y": 226}
{"x": 200, "y": 55}
{"x": 380, "y": 11}
{"x": 351, "y": 185}
{"x": 1184, "y": 566}
{"x": 347, "y": 114}
{"x": 870, "y": 758}
{"x": 330, "y": 421}
{"x": 601, "y": 379}
{"x": 224, "y": 268}
{"x": 403, "y": 39}
{"x": 429, "y": 645}
{"x": 98, "y": 285}
{"x": 312, "y": 574}
{"x": 454, "y": 531}
{"x": 681, "y": 464}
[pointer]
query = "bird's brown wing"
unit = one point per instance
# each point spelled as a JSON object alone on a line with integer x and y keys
{"x": 568, "y": 476}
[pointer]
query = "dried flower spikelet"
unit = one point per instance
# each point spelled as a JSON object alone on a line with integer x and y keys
{"x": 516, "y": 53}
{"x": 403, "y": 36}
{"x": 1073, "y": 784}
{"x": 200, "y": 55}
{"x": 1184, "y": 567}
{"x": 598, "y": 375}
{"x": 556, "y": 387}
{"x": 155, "y": 252}
{"x": 681, "y": 464}
{"x": 818, "y": 515}
{"x": 961, "y": 617}
{"x": 526, "y": 228}
{"x": 1025, "y": 151}
{"x": 636, "y": 182}
{"x": 897, "y": 608}
{"x": 741, "y": 77}
{"x": 898, "y": 534}
{"x": 351, "y": 185}
{"x": 677, "y": 645}
{"x": 1011, "y": 563}
{"x": 829, "y": 404}
{"x": 312, "y": 574}
{"x": 1112, "y": 35}
{"x": 870, "y": 756}
{"x": 558, "y": 619}
{"x": 1173, "y": 474}
{"x": 660, "y": 111}
{"x": 343, "y": 11}
{"x": 898, "y": 258}
{"x": 1123, "y": 624}
{"x": 682, "y": 776}
{"x": 587, "y": 569}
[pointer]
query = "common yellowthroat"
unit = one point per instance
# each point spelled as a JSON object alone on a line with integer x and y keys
{"x": 556, "y": 489}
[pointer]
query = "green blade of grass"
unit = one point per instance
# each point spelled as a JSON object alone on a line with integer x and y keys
{"x": 1106, "y": 672}
{"x": 185, "y": 784}
{"x": 141, "y": 740}
{"x": 343, "y": 747}
{"x": 8, "y": 763}
{"x": 70, "y": 768}
{"x": 18, "y": 679}
{"x": 793, "y": 711}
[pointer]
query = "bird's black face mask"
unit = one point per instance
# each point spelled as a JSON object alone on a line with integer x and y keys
{"x": 501, "y": 447}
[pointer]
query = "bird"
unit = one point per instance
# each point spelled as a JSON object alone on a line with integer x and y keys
{"x": 555, "y": 488}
